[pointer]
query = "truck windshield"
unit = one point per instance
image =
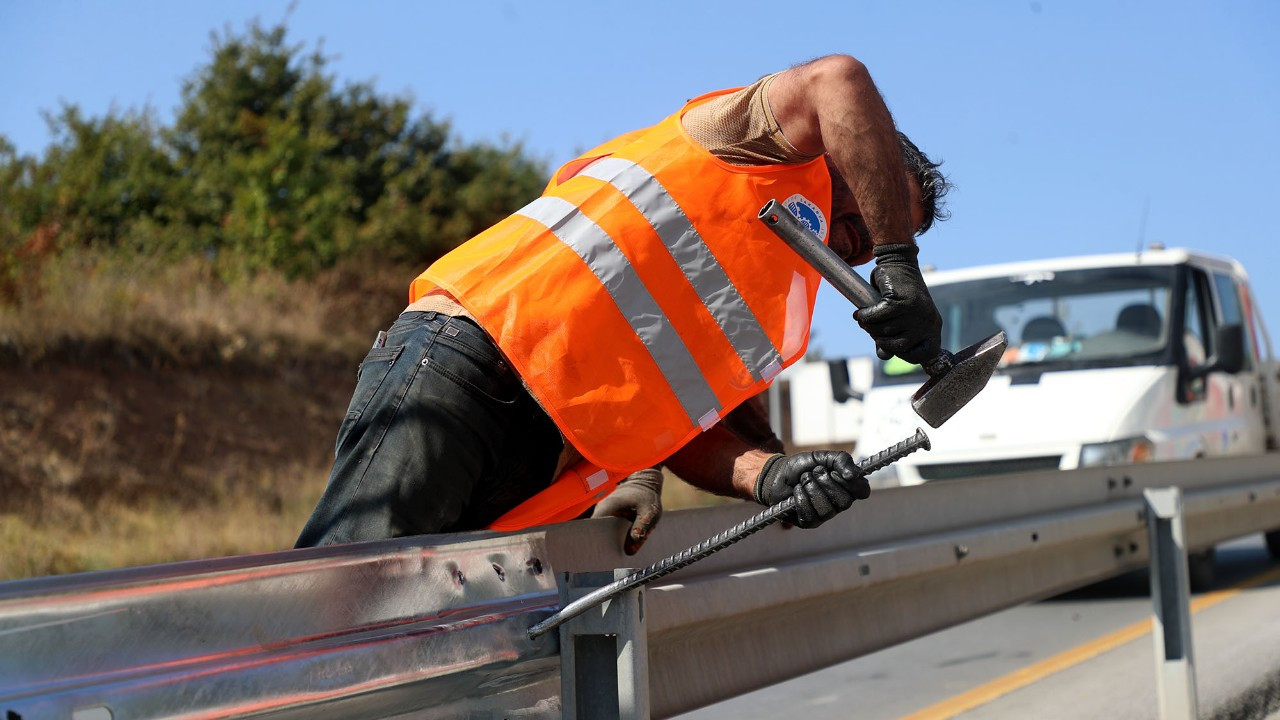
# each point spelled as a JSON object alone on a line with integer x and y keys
{"x": 1058, "y": 320}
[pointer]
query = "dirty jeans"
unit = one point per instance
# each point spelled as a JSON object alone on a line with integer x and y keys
{"x": 440, "y": 436}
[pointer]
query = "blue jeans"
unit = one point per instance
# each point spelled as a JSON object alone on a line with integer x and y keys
{"x": 440, "y": 436}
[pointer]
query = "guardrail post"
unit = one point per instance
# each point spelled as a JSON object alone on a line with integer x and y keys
{"x": 604, "y": 653}
{"x": 1171, "y": 598}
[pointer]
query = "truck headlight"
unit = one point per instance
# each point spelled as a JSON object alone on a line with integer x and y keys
{"x": 1118, "y": 452}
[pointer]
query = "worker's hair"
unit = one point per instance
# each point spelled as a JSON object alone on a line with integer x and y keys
{"x": 933, "y": 184}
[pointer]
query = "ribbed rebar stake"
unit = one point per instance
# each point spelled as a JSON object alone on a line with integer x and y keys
{"x": 718, "y": 542}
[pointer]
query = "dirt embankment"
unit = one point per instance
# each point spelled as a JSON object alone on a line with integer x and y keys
{"x": 127, "y": 432}
{"x": 156, "y": 409}
{"x": 109, "y": 464}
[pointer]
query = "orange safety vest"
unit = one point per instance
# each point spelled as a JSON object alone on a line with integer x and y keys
{"x": 640, "y": 299}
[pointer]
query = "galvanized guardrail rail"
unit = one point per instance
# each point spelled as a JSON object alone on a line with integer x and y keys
{"x": 434, "y": 627}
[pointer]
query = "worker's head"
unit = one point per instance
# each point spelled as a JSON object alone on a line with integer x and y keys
{"x": 930, "y": 182}
{"x": 850, "y": 237}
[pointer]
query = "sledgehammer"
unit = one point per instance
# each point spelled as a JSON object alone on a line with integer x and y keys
{"x": 953, "y": 378}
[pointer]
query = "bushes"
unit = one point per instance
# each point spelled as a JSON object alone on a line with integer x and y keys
{"x": 268, "y": 162}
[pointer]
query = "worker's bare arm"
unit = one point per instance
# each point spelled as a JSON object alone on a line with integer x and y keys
{"x": 719, "y": 462}
{"x": 823, "y": 482}
{"x": 831, "y": 105}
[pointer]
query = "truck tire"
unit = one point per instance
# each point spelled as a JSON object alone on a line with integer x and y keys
{"x": 1273, "y": 543}
{"x": 1202, "y": 570}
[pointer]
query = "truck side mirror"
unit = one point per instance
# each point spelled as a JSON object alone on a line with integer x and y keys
{"x": 1229, "y": 343}
{"x": 841, "y": 389}
{"x": 1229, "y": 352}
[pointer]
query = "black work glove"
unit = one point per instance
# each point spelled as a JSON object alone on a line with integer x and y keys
{"x": 637, "y": 498}
{"x": 824, "y": 483}
{"x": 905, "y": 322}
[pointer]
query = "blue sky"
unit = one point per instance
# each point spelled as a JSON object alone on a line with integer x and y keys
{"x": 1059, "y": 121}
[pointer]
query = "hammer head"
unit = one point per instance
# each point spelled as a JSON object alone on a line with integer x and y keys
{"x": 952, "y": 385}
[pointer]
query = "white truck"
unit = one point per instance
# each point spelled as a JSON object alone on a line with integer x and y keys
{"x": 1112, "y": 359}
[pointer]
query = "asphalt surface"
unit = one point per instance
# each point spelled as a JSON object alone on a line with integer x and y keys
{"x": 1087, "y": 654}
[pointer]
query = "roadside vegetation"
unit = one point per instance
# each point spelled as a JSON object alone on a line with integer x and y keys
{"x": 182, "y": 305}
{"x": 272, "y": 185}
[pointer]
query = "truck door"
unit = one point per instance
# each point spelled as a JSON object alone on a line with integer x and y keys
{"x": 1232, "y": 298}
{"x": 1226, "y": 408}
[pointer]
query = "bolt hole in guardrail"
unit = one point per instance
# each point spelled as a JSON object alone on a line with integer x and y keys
{"x": 534, "y": 565}
{"x": 1035, "y": 537}
{"x": 864, "y": 570}
{"x": 502, "y": 575}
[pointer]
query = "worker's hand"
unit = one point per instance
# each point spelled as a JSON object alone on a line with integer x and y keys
{"x": 824, "y": 483}
{"x": 905, "y": 322}
{"x": 637, "y": 498}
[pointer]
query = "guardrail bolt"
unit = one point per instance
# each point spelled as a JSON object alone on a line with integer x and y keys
{"x": 459, "y": 577}
{"x": 1253, "y": 497}
{"x": 502, "y": 575}
{"x": 1035, "y": 537}
{"x": 864, "y": 570}
{"x": 1119, "y": 550}
{"x": 1128, "y": 481}
{"x": 962, "y": 551}
{"x": 1133, "y": 547}
{"x": 1111, "y": 483}
{"x": 534, "y": 565}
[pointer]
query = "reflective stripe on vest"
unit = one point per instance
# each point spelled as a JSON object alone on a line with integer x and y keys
{"x": 628, "y": 291}
{"x": 739, "y": 325}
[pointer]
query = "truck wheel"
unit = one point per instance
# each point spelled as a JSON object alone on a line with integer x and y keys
{"x": 1202, "y": 570}
{"x": 1273, "y": 543}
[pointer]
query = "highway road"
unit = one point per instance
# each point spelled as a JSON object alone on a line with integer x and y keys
{"x": 1087, "y": 654}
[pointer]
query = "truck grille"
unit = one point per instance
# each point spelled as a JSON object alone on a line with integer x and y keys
{"x": 952, "y": 471}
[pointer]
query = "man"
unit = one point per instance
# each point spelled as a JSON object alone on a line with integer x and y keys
{"x": 626, "y": 312}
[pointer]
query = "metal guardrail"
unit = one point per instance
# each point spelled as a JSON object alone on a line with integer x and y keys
{"x": 364, "y": 630}
{"x": 435, "y": 627}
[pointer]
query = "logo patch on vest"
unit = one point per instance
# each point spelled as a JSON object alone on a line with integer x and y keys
{"x": 808, "y": 213}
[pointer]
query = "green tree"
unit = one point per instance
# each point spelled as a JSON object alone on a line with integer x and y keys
{"x": 283, "y": 169}
{"x": 12, "y": 171}
{"x": 100, "y": 177}
{"x": 268, "y": 165}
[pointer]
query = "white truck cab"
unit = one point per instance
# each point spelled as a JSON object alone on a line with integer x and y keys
{"x": 1112, "y": 359}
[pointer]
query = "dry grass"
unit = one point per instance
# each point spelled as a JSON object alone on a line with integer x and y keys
{"x": 74, "y": 538}
{"x": 185, "y": 313}
{"x": 153, "y": 410}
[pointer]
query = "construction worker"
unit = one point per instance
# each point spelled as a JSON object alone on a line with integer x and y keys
{"x": 613, "y": 323}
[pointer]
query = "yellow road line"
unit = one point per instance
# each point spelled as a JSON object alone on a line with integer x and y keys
{"x": 984, "y": 694}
